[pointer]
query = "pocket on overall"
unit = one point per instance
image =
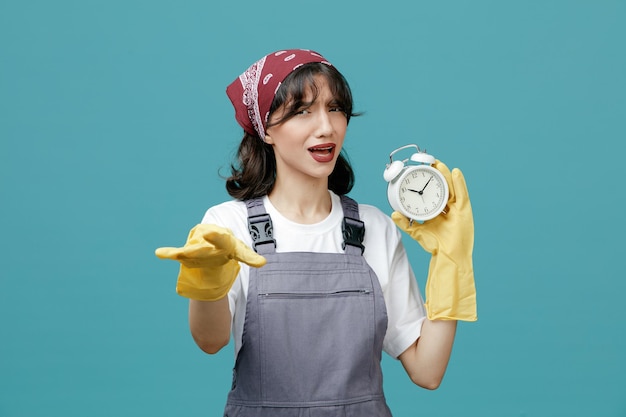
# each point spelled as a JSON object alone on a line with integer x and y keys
{"x": 316, "y": 346}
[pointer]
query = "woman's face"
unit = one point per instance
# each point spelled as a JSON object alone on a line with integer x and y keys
{"x": 307, "y": 145}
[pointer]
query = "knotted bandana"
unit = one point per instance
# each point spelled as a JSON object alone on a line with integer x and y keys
{"x": 253, "y": 91}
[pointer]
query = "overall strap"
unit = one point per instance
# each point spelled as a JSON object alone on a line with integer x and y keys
{"x": 260, "y": 227}
{"x": 353, "y": 228}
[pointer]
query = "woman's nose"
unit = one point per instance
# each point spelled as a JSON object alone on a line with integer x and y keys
{"x": 325, "y": 126}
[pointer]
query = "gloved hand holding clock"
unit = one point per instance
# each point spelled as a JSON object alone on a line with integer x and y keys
{"x": 448, "y": 234}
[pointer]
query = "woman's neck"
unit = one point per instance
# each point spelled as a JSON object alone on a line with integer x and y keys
{"x": 305, "y": 204}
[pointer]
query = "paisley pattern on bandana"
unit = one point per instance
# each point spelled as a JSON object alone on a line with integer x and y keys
{"x": 250, "y": 81}
{"x": 253, "y": 91}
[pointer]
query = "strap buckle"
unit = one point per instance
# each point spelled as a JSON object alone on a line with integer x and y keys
{"x": 353, "y": 233}
{"x": 261, "y": 230}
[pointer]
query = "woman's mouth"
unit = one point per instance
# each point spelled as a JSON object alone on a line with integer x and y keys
{"x": 323, "y": 153}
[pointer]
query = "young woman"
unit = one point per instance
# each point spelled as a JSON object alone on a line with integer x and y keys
{"x": 311, "y": 285}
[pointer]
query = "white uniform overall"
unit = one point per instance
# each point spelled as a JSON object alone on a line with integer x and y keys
{"x": 313, "y": 332}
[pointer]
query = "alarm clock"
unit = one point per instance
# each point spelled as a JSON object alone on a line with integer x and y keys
{"x": 415, "y": 188}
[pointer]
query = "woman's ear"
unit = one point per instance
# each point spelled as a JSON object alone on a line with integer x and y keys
{"x": 268, "y": 139}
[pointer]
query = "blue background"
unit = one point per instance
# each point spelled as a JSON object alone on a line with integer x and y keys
{"x": 114, "y": 126}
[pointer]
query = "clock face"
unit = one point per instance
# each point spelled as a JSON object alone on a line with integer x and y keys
{"x": 423, "y": 192}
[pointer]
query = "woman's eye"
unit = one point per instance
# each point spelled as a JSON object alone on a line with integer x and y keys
{"x": 338, "y": 110}
{"x": 335, "y": 107}
{"x": 303, "y": 111}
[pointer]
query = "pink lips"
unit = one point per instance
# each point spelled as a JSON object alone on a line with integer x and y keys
{"x": 323, "y": 153}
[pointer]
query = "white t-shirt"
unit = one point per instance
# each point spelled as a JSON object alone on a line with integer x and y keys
{"x": 384, "y": 252}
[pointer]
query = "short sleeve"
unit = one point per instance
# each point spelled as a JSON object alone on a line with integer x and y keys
{"x": 385, "y": 253}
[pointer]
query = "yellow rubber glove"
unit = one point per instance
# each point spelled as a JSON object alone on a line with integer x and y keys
{"x": 450, "y": 289}
{"x": 209, "y": 262}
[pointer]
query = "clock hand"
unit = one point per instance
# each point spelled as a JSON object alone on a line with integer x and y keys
{"x": 427, "y": 182}
{"x": 421, "y": 193}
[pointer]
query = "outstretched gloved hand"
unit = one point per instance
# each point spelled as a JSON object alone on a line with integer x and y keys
{"x": 449, "y": 237}
{"x": 209, "y": 262}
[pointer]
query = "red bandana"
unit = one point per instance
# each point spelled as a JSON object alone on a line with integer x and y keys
{"x": 253, "y": 91}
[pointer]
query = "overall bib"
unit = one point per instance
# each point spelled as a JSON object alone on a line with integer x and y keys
{"x": 313, "y": 331}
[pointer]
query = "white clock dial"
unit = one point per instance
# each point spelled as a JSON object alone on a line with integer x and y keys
{"x": 415, "y": 187}
{"x": 422, "y": 192}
